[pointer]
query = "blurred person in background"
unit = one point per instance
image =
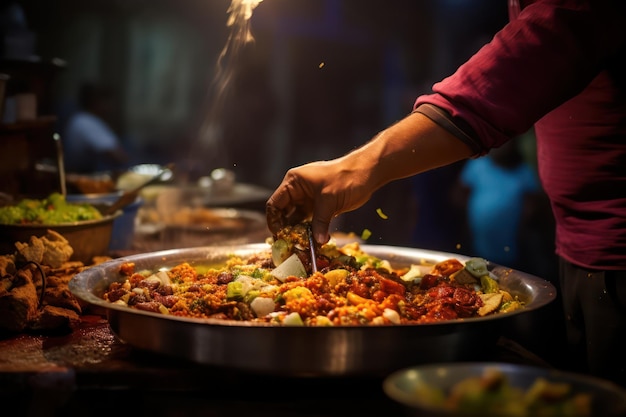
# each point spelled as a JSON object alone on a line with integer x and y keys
{"x": 89, "y": 142}
{"x": 509, "y": 222}
{"x": 497, "y": 192}
{"x": 560, "y": 66}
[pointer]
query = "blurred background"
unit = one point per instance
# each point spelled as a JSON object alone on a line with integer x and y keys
{"x": 321, "y": 78}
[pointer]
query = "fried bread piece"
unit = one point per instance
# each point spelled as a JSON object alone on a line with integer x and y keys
{"x": 51, "y": 249}
{"x": 21, "y": 285}
{"x": 52, "y": 317}
{"x": 491, "y": 302}
{"x": 32, "y": 251}
{"x": 7, "y": 273}
{"x": 61, "y": 296}
{"x": 7, "y": 266}
{"x": 57, "y": 249}
{"x": 19, "y": 305}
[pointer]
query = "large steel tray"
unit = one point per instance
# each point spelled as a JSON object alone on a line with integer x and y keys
{"x": 304, "y": 351}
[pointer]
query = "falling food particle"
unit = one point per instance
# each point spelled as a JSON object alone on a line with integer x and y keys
{"x": 380, "y": 213}
{"x": 238, "y": 21}
{"x": 366, "y": 234}
{"x": 458, "y": 246}
{"x": 321, "y": 64}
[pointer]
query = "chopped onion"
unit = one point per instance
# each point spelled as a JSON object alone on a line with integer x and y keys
{"x": 262, "y": 306}
{"x": 391, "y": 315}
{"x": 416, "y": 272}
{"x": 164, "y": 277}
{"x": 291, "y": 267}
{"x": 250, "y": 283}
{"x": 293, "y": 319}
{"x": 153, "y": 279}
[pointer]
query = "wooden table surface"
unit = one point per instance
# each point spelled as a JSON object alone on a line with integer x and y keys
{"x": 90, "y": 372}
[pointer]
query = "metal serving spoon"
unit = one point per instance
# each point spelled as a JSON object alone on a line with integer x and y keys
{"x": 312, "y": 248}
{"x": 129, "y": 196}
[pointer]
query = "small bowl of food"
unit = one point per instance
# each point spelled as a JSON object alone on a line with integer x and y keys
{"x": 83, "y": 225}
{"x": 124, "y": 226}
{"x": 490, "y": 389}
{"x": 98, "y": 183}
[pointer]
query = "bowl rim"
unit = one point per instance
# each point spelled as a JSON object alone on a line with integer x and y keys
{"x": 104, "y": 219}
{"x": 86, "y": 197}
{"x": 402, "y": 396}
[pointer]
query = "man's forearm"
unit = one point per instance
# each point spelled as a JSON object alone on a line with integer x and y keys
{"x": 413, "y": 145}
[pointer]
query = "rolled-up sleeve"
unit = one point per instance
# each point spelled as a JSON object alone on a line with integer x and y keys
{"x": 541, "y": 59}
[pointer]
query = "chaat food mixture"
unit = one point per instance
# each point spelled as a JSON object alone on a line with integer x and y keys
{"x": 347, "y": 287}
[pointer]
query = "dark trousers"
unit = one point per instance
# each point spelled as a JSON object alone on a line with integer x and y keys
{"x": 594, "y": 305}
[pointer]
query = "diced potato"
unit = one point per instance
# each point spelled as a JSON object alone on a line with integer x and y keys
{"x": 322, "y": 321}
{"x": 355, "y": 299}
{"x": 416, "y": 272}
{"x": 335, "y": 276}
{"x": 296, "y": 293}
{"x": 291, "y": 267}
{"x": 262, "y": 306}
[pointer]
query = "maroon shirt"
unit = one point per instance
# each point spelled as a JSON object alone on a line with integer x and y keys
{"x": 559, "y": 65}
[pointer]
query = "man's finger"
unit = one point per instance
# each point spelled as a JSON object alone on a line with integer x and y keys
{"x": 275, "y": 218}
